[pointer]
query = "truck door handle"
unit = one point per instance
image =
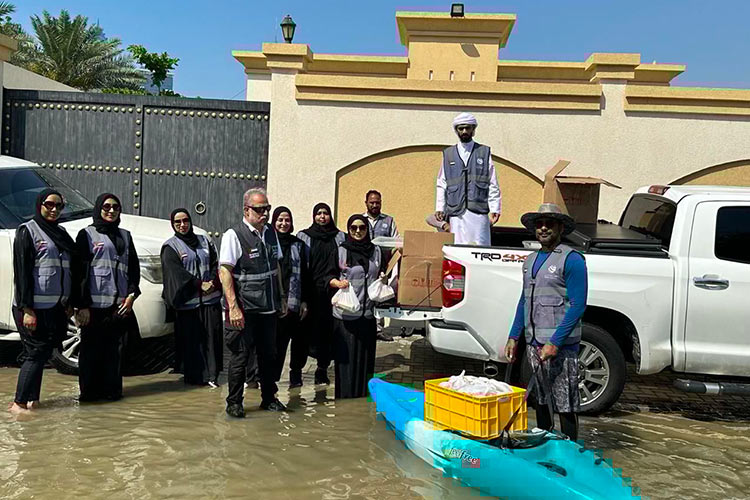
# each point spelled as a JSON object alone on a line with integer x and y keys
{"x": 711, "y": 282}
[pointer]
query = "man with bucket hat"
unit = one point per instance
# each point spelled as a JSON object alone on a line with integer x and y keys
{"x": 468, "y": 196}
{"x": 549, "y": 312}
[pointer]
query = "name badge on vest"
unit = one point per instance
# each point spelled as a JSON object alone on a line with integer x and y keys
{"x": 41, "y": 245}
{"x": 254, "y": 253}
{"x": 451, "y": 162}
{"x": 480, "y": 161}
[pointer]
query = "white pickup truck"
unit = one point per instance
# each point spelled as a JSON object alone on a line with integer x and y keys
{"x": 669, "y": 286}
{"x": 20, "y": 182}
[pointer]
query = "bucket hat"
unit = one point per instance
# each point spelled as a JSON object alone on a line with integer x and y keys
{"x": 548, "y": 211}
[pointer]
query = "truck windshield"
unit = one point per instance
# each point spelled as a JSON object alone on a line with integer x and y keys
{"x": 650, "y": 215}
{"x": 19, "y": 188}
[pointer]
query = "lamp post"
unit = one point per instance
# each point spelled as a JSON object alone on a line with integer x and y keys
{"x": 457, "y": 10}
{"x": 287, "y": 28}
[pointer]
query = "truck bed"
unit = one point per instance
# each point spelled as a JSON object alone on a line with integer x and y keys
{"x": 601, "y": 238}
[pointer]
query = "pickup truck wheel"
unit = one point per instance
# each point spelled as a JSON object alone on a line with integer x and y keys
{"x": 66, "y": 360}
{"x": 601, "y": 370}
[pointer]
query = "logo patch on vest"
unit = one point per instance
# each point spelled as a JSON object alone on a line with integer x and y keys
{"x": 183, "y": 256}
{"x": 41, "y": 245}
{"x": 552, "y": 269}
{"x": 97, "y": 245}
{"x": 480, "y": 161}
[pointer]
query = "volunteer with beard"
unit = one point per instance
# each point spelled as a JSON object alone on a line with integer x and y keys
{"x": 250, "y": 278}
{"x": 295, "y": 280}
{"x": 467, "y": 189}
{"x": 360, "y": 263}
{"x": 110, "y": 275}
{"x": 192, "y": 288}
{"x": 322, "y": 240}
{"x": 549, "y": 312}
{"x": 42, "y": 254}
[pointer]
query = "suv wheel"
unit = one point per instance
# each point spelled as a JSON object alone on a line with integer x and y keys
{"x": 66, "y": 360}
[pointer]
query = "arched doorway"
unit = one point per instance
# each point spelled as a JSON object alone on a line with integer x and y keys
{"x": 733, "y": 173}
{"x": 406, "y": 179}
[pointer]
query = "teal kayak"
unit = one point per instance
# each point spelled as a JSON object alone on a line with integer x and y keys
{"x": 550, "y": 467}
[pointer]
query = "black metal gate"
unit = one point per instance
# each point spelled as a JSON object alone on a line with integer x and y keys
{"x": 155, "y": 153}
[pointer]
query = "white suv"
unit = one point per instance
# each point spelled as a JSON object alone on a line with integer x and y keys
{"x": 20, "y": 183}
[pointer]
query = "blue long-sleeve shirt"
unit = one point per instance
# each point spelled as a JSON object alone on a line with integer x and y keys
{"x": 576, "y": 282}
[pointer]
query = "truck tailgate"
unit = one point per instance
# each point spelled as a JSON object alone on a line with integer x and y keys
{"x": 409, "y": 314}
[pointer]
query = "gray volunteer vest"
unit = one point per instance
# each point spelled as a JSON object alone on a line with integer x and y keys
{"x": 467, "y": 186}
{"x": 198, "y": 263}
{"x": 108, "y": 273}
{"x": 547, "y": 297}
{"x": 359, "y": 281}
{"x": 294, "y": 290}
{"x": 256, "y": 272}
{"x": 52, "y": 282}
{"x": 383, "y": 225}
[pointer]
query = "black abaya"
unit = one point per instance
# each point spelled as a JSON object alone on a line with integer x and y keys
{"x": 354, "y": 355}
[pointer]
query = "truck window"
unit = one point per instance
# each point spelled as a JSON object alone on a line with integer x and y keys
{"x": 732, "y": 241}
{"x": 19, "y": 188}
{"x": 652, "y": 216}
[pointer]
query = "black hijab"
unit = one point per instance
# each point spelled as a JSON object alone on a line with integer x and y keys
{"x": 190, "y": 238}
{"x": 111, "y": 229}
{"x": 318, "y": 232}
{"x": 285, "y": 241}
{"x": 358, "y": 251}
{"x": 57, "y": 234}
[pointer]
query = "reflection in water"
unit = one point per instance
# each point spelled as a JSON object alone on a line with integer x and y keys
{"x": 165, "y": 440}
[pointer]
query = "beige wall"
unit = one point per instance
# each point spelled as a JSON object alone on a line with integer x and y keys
{"x": 14, "y": 77}
{"x": 310, "y": 142}
{"x": 406, "y": 179}
{"x": 736, "y": 173}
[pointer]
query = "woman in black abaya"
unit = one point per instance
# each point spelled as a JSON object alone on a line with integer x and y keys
{"x": 191, "y": 287}
{"x": 360, "y": 263}
{"x": 321, "y": 241}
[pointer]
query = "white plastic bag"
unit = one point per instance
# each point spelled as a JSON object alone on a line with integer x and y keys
{"x": 476, "y": 386}
{"x": 379, "y": 291}
{"x": 346, "y": 300}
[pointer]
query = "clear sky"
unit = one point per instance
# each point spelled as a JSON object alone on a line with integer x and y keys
{"x": 710, "y": 37}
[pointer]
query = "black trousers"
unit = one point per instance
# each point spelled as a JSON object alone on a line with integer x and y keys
{"x": 290, "y": 329}
{"x": 355, "y": 345}
{"x": 259, "y": 334}
{"x": 568, "y": 421}
{"x": 200, "y": 333}
{"x": 100, "y": 355}
{"x": 322, "y": 329}
{"x": 51, "y": 326}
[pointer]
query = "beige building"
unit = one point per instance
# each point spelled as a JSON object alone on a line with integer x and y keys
{"x": 343, "y": 124}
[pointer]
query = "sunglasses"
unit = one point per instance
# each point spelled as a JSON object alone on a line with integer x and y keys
{"x": 49, "y": 205}
{"x": 179, "y": 222}
{"x": 111, "y": 207}
{"x": 357, "y": 228}
{"x": 260, "y": 209}
{"x": 545, "y": 223}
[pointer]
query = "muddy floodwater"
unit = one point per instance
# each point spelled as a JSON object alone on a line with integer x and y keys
{"x": 167, "y": 441}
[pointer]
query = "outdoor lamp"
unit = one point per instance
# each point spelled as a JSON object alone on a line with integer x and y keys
{"x": 287, "y": 28}
{"x": 457, "y": 10}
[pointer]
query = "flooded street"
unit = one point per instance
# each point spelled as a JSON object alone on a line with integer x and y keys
{"x": 167, "y": 441}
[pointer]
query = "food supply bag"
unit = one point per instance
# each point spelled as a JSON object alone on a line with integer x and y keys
{"x": 379, "y": 291}
{"x": 346, "y": 299}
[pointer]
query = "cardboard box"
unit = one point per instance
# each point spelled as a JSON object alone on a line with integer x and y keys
{"x": 576, "y": 196}
{"x": 421, "y": 268}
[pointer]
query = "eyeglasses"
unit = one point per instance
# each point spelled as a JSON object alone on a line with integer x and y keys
{"x": 260, "y": 209}
{"x": 179, "y": 222}
{"x": 357, "y": 228}
{"x": 111, "y": 207}
{"x": 545, "y": 223}
{"x": 49, "y": 205}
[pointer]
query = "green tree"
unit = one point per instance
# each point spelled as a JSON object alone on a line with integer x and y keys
{"x": 72, "y": 52}
{"x": 15, "y": 31}
{"x": 157, "y": 64}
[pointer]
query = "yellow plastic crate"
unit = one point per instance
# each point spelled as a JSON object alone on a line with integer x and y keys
{"x": 481, "y": 417}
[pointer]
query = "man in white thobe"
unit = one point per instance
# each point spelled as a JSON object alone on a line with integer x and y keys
{"x": 468, "y": 196}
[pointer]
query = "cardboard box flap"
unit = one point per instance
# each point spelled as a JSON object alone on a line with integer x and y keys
{"x": 585, "y": 180}
{"x": 425, "y": 243}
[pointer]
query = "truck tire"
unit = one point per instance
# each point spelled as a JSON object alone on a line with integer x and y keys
{"x": 601, "y": 370}
{"x": 139, "y": 356}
